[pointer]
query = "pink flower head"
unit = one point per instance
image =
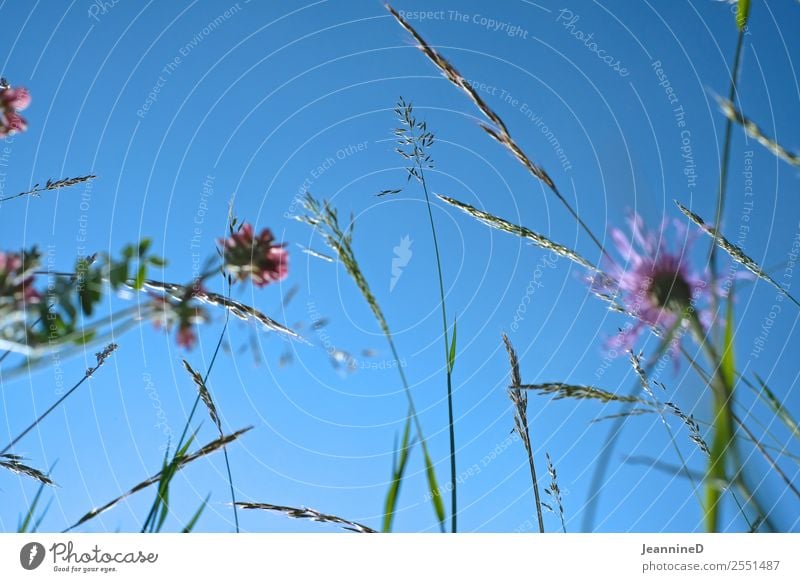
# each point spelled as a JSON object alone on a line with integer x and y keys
{"x": 186, "y": 337}
{"x": 12, "y": 100}
{"x": 15, "y": 98}
{"x": 257, "y": 258}
{"x": 14, "y": 122}
{"x": 653, "y": 283}
{"x": 16, "y": 280}
{"x": 168, "y": 312}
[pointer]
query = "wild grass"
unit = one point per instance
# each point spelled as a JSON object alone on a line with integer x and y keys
{"x": 51, "y": 184}
{"x": 519, "y": 399}
{"x": 413, "y": 142}
{"x": 554, "y": 491}
{"x": 520, "y": 231}
{"x": 500, "y": 131}
{"x": 180, "y": 460}
{"x": 728, "y": 427}
{"x": 308, "y": 513}
{"x": 753, "y": 130}
{"x": 14, "y": 464}
{"x": 324, "y": 218}
{"x": 736, "y": 253}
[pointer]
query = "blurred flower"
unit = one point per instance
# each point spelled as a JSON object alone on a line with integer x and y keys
{"x": 258, "y": 258}
{"x": 654, "y": 284}
{"x": 13, "y": 100}
{"x": 168, "y": 312}
{"x": 16, "y": 280}
{"x": 186, "y": 337}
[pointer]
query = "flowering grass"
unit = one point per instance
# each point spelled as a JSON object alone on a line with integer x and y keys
{"x": 650, "y": 275}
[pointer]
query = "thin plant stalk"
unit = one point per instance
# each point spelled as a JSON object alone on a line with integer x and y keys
{"x": 421, "y": 159}
{"x": 519, "y": 398}
{"x": 184, "y": 433}
{"x": 323, "y": 217}
{"x": 448, "y": 364}
{"x": 723, "y": 429}
{"x": 101, "y": 358}
{"x": 725, "y": 163}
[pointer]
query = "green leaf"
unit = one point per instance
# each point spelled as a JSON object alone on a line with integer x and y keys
{"x": 398, "y": 470}
{"x": 192, "y": 522}
{"x": 144, "y": 246}
{"x": 451, "y": 358}
{"x": 157, "y": 261}
{"x": 141, "y": 275}
{"x": 433, "y": 488}
{"x": 742, "y": 13}
{"x": 118, "y": 274}
{"x": 89, "y": 291}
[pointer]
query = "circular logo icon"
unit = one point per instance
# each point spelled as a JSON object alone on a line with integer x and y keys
{"x": 31, "y": 555}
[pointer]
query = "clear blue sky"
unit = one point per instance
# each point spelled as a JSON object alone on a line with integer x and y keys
{"x": 266, "y": 99}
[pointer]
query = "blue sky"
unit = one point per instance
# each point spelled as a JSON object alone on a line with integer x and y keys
{"x": 179, "y": 107}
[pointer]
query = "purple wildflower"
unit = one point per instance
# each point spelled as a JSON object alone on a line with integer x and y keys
{"x": 654, "y": 283}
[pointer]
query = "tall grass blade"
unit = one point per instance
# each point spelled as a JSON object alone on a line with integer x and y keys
{"x": 324, "y": 218}
{"x": 734, "y": 251}
{"x": 722, "y": 388}
{"x": 205, "y": 395}
{"x": 308, "y": 513}
{"x": 193, "y": 522}
{"x": 398, "y": 470}
{"x": 742, "y": 13}
{"x": 520, "y": 400}
{"x": 560, "y": 391}
{"x": 14, "y": 464}
{"x": 451, "y": 358}
{"x": 732, "y": 113}
{"x": 211, "y": 447}
{"x": 502, "y": 224}
{"x": 500, "y": 131}
{"x": 779, "y": 409}
{"x": 25, "y": 522}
